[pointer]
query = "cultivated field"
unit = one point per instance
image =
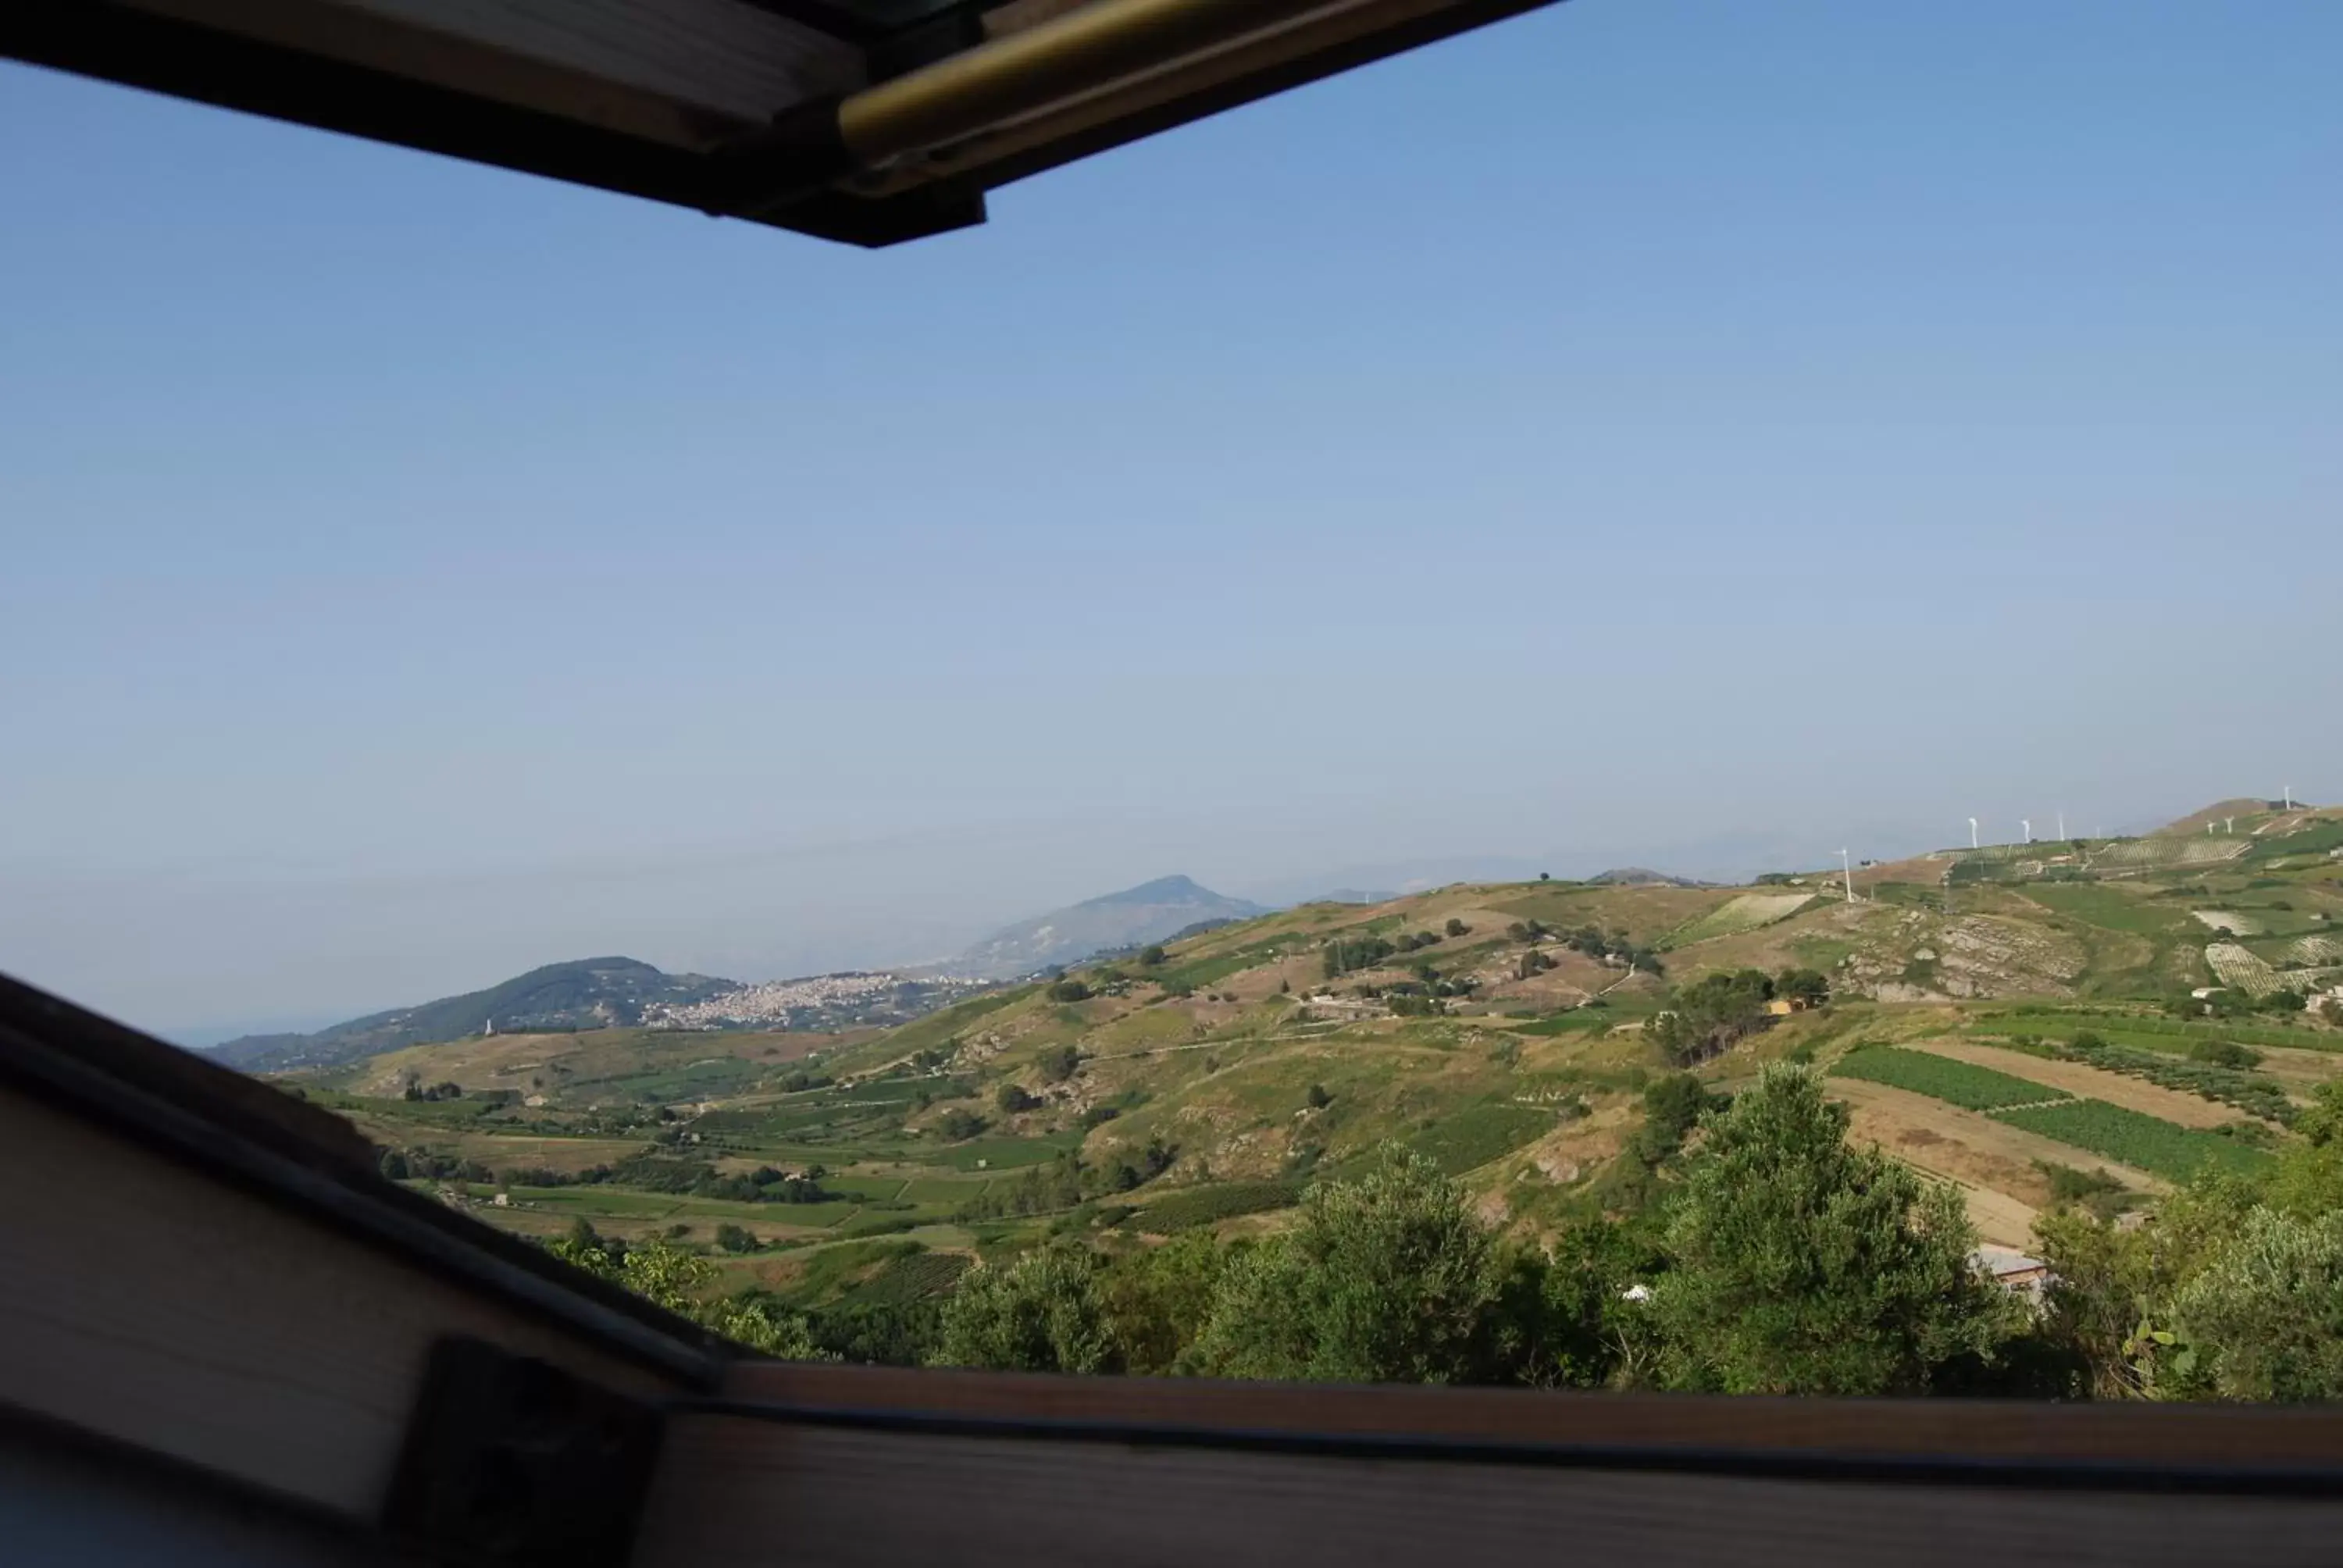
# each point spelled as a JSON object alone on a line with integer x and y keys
{"x": 2082, "y": 1082}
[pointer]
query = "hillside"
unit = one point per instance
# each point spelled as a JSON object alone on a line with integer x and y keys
{"x": 1147, "y": 913}
{"x": 2023, "y": 1029}
{"x": 587, "y": 994}
{"x": 2043, "y": 1042}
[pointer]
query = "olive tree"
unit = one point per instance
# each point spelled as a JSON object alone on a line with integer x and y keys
{"x": 1803, "y": 1265}
{"x": 1387, "y": 1279}
{"x": 1041, "y": 1313}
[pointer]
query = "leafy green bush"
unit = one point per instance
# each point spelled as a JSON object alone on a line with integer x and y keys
{"x": 957, "y": 1126}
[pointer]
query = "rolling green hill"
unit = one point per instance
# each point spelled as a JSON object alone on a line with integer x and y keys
{"x": 1497, "y": 1029}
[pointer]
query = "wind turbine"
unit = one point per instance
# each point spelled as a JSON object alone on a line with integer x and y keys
{"x": 1848, "y": 866}
{"x": 2062, "y": 826}
{"x": 2027, "y": 824}
{"x": 1973, "y": 837}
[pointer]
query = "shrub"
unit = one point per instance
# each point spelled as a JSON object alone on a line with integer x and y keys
{"x": 735, "y": 1238}
{"x": 1041, "y": 1313}
{"x": 957, "y": 1126}
{"x": 1456, "y": 928}
{"x": 1384, "y": 1279}
{"x": 1012, "y": 1099}
{"x": 1070, "y": 990}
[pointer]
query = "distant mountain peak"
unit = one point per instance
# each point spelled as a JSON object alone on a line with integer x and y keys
{"x": 1162, "y": 891}
{"x": 1640, "y": 877}
{"x": 1151, "y": 912}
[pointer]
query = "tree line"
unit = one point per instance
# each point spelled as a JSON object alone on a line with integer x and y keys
{"x": 1771, "y": 1256}
{"x": 1746, "y": 1246}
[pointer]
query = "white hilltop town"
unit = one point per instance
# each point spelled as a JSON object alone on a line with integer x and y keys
{"x": 821, "y": 1000}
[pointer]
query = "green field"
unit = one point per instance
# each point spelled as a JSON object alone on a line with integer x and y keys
{"x": 909, "y": 1277}
{"x": 594, "y": 1203}
{"x": 1186, "y": 1207}
{"x": 1941, "y": 1077}
{"x": 1004, "y": 1154}
{"x": 2316, "y": 839}
{"x": 2104, "y": 907}
{"x": 1466, "y": 1140}
{"x": 2177, "y": 1153}
{"x": 1577, "y": 1021}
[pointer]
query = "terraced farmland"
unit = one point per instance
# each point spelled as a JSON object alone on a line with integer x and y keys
{"x": 1742, "y": 912}
{"x": 2237, "y": 967}
{"x": 2247, "y": 1092}
{"x": 2152, "y": 853}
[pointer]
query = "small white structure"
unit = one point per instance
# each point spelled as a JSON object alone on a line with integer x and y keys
{"x": 2016, "y": 1272}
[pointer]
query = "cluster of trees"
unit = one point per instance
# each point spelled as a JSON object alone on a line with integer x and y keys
{"x": 413, "y": 1089}
{"x": 1764, "y": 1253}
{"x": 957, "y": 1124}
{"x": 2230, "y": 1003}
{"x": 652, "y": 1171}
{"x": 1070, "y": 1181}
{"x": 425, "y": 1165}
{"x": 2232, "y": 1290}
{"x": 1409, "y": 941}
{"x": 1345, "y": 954}
{"x": 1618, "y": 945}
{"x": 1775, "y": 1258}
{"x": 1709, "y": 1015}
{"x": 1783, "y": 1261}
{"x": 684, "y": 1283}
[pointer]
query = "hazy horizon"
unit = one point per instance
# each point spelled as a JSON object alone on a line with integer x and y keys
{"x": 875, "y": 938}
{"x": 1681, "y": 432}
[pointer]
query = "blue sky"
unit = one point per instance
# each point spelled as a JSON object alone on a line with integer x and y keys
{"x": 1687, "y": 430}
